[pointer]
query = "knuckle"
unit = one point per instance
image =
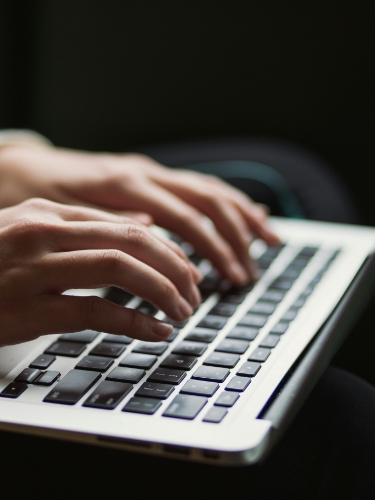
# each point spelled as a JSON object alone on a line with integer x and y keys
{"x": 37, "y": 203}
{"x": 185, "y": 270}
{"x": 112, "y": 261}
{"x": 191, "y": 217}
{"x": 32, "y": 230}
{"x": 137, "y": 322}
{"x": 136, "y": 235}
{"x": 139, "y": 157}
{"x": 90, "y": 308}
{"x": 211, "y": 199}
{"x": 167, "y": 290}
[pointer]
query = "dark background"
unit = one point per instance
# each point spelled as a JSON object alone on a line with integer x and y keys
{"x": 118, "y": 75}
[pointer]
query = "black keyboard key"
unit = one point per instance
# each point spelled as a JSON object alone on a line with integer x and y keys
{"x": 265, "y": 308}
{"x": 291, "y": 273}
{"x": 233, "y": 346}
{"x": 48, "y": 378}
{"x": 270, "y": 341}
{"x": 233, "y": 298}
{"x": 118, "y": 339}
{"x": 272, "y": 252}
{"x": 263, "y": 264}
{"x": 227, "y": 399}
{"x": 155, "y": 390}
{"x": 109, "y": 349}
{"x": 224, "y": 359}
{"x": 214, "y": 322}
{"x": 85, "y": 337}
{"x": 173, "y": 335}
{"x": 260, "y": 354}
{"x": 290, "y": 315}
{"x": 94, "y": 363}
{"x": 200, "y": 388}
{"x": 202, "y": 335}
{"x": 72, "y": 387}
{"x": 210, "y": 285}
{"x": 28, "y": 375}
{"x": 124, "y": 374}
{"x": 280, "y": 328}
{"x": 281, "y": 284}
{"x": 224, "y": 309}
{"x": 142, "y": 405}
{"x": 215, "y": 415}
{"x": 238, "y": 384}
{"x": 167, "y": 376}
{"x": 156, "y": 348}
{"x": 249, "y": 369}
{"x": 108, "y": 395}
{"x": 309, "y": 251}
{"x": 185, "y": 406}
{"x": 118, "y": 296}
{"x": 300, "y": 262}
{"x": 147, "y": 308}
{"x": 308, "y": 291}
{"x": 275, "y": 296}
{"x": 136, "y": 360}
{"x": 43, "y": 361}
{"x": 300, "y": 302}
{"x": 255, "y": 320}
{"x": 177, "y": 324}
{"x": 316, "y": 280}
{"x": 13, "y": 390}
{"x": 210, "y": 373}
{"x": 190, "y": 348}
{"x": 69, "y": 349}
{"x": 179, "y": 362}
{"x": 243, "y": 333}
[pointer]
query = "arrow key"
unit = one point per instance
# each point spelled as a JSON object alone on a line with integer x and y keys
{"x": 13, "y": 390}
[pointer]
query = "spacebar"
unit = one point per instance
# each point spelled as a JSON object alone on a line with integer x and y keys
{"x": 72, "y": 387}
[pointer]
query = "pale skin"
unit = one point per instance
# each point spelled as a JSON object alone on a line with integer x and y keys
{"x": 94, "y": 233}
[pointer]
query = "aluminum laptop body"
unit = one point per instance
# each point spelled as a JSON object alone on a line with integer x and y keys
{"x": 247, "y": 411}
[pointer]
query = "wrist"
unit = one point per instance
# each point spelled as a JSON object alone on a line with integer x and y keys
{"x": 24, "y": 138}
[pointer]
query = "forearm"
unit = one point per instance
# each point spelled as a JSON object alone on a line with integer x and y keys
{"x": 11, "y": 189}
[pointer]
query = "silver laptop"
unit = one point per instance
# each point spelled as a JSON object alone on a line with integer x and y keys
{"x": 227, "y": 382}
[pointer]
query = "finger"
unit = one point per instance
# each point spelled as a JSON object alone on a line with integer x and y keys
{"x": 139, "y": 216}
{"x": 142, "y": 217}
{"x": 229, "y": 222}
{"x": 102, "y": 268}
{"x": 68, "y": 314}
{"x": 174, "y": 214}
{"x": 79, "y": 213}
{"x": 197, "y": 276}
{"x": 135, "y": 241}
{"x": 186, "y": 184}
{"x": 255, "y": 214}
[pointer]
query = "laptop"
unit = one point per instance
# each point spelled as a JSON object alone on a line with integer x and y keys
{"x": 226, "y": 384}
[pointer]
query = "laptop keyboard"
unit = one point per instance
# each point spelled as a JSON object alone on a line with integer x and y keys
{"x": 179, "y": 376}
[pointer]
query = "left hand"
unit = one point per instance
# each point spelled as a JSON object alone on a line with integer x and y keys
{"x": 178, "y": 200}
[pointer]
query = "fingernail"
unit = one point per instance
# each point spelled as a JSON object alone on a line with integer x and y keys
{"x": 162, "y": 329}
{"x": 238, "y": 273}
{"x": 253, "y": 270}
{"x": 195, "y": 297}
{"x": 184, "y": 309}
{"x": 196, "y": 273}
{"x": 248, "y": 238}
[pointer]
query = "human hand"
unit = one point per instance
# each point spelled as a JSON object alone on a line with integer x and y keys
{"x": 178, "y": 200}
{"x": 47, "y": 248}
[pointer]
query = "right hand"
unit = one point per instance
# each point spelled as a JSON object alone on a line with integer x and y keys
{"x": 47, "y": 248}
